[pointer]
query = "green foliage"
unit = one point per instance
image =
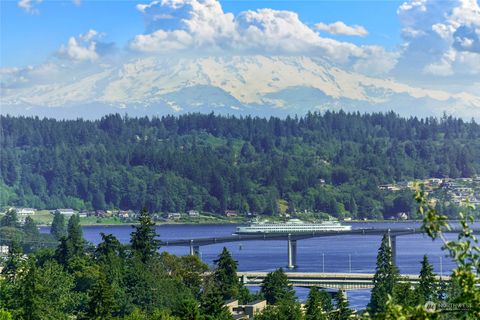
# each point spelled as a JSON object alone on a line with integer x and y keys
{"x": 225, "y": 275}
{"x": 102, "y": 303}
{"x": 5, "y": 315}
{"x": 30, "y": 228}
{"x": 342, "y": 311}
{"x": 143, "y": 240}
{"x": 212, "y": 303}
{"x": 284, "y": 310}
{"x": 10, "y": 219}
{"x": 276, "y": 287}
{"x": 44, "y": 292}
{"x": 385, "y": 278}
{"x": 428, "y": 286}
{"x": 13, "y": 262}
{"x": 314, "y": 307}
{"x": 58, "y": 229}
{"x": 73, "y": 246}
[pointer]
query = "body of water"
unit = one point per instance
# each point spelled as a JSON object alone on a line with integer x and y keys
{"x": 355, "y": 253}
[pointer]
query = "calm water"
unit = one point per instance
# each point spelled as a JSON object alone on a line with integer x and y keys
{"x": 354, "y": 253}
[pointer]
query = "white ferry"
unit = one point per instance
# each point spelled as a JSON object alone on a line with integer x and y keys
{"x": 292, "y": 226}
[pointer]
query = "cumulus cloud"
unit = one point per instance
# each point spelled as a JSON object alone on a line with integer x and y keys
{"x": 29, "y": 6}
{"x": 85, "y": 47}
{"x": 203, "y": 26}
{"x": 442, "y": 38}
{"x": 340, "y": 28}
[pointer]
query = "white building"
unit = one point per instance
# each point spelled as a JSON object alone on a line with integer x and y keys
{"x": 25, "y": 211}
{"x": 64, "y": 211}
{"x": 193, "y": 213}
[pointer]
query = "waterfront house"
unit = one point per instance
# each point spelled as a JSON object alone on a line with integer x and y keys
{"x": 231, "y": 213}
{"x": 193, "y": 213}
{"x": 174, "y": 216}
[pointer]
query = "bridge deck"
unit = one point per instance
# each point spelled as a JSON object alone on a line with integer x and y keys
{"x": 343, "y": 281}
{"x": 298, "y": 236}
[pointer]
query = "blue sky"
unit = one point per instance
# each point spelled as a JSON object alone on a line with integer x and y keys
{"x": 30, "y": 38}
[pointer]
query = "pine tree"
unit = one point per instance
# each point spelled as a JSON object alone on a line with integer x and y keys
{"x": 212, "y": 303}
{"x": 143, "y": 242}
{"x": 342, "y": 312}
{"x": 75, "y": 236}
{"x": 189, "y": 310}
{"x": 276, "y": 287}
{"x": 313, "y": 307}
{"x": 30, "y": 228}
{"x": 10, "y": 219}
{"x": 225, "y": 275}
{"x": 427, "y": 286}
{"x": 58, "y": 229}
{"x": 385, "y": 278}
{"x": 102, "y": 303}
{"x": 325, "y": 300}
{"x": 73, "y": 244}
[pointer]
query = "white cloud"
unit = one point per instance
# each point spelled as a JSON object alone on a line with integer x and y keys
{"x": 29, "y": 6}
{"x": 340, "y": 28}
{"x": 203, "y": 26}
{"x": 442, "y": 38}
{"x": 82, "y": 48}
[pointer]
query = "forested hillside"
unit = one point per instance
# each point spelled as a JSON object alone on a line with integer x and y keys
{"x": 331, "y": 162}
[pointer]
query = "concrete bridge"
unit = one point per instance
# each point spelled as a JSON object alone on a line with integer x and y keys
{"x": 338, "y": 281}
{"x": 292, "y": 239}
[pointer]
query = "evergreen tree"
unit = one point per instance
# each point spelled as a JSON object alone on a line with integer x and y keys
{"x": 427, "y": 285}
{"x": 212, "y": 304}
{"x": 313, "y": 306}
{"x": 72, "y": 245}
{"x": 404, "y": 295}
{"x": 75, "y": 236}
{"x": 325, "y": 300}
{"x": 342, "y": 311}
{"x": 58, "y": 229}
{"x": 30, "y": 227}
{"x": 276, "y": 287}
{"x": 225, "y": 275}
{"x": 102, "y": 303}
{"x": 10, "y": 219}
{"x": 385, "y": 278}
{"x": 143, "y": 240}
{"x": 189, "y": 310}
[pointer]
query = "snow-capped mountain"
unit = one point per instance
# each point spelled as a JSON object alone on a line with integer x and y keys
{"x": 238, "y": 84}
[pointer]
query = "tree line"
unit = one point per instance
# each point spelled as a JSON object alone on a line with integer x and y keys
{"x": 331, "y": 162}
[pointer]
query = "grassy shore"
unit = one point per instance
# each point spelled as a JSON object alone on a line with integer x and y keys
{"x": 45, "y": 218}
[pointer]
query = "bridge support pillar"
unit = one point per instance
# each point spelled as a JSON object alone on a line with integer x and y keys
{"x": 194, "y": 250}
{"x": 392, "y": 241}
{"x": 292, "y": 253}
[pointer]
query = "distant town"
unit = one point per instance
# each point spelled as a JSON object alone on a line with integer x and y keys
{"x": 460, "y": 191}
